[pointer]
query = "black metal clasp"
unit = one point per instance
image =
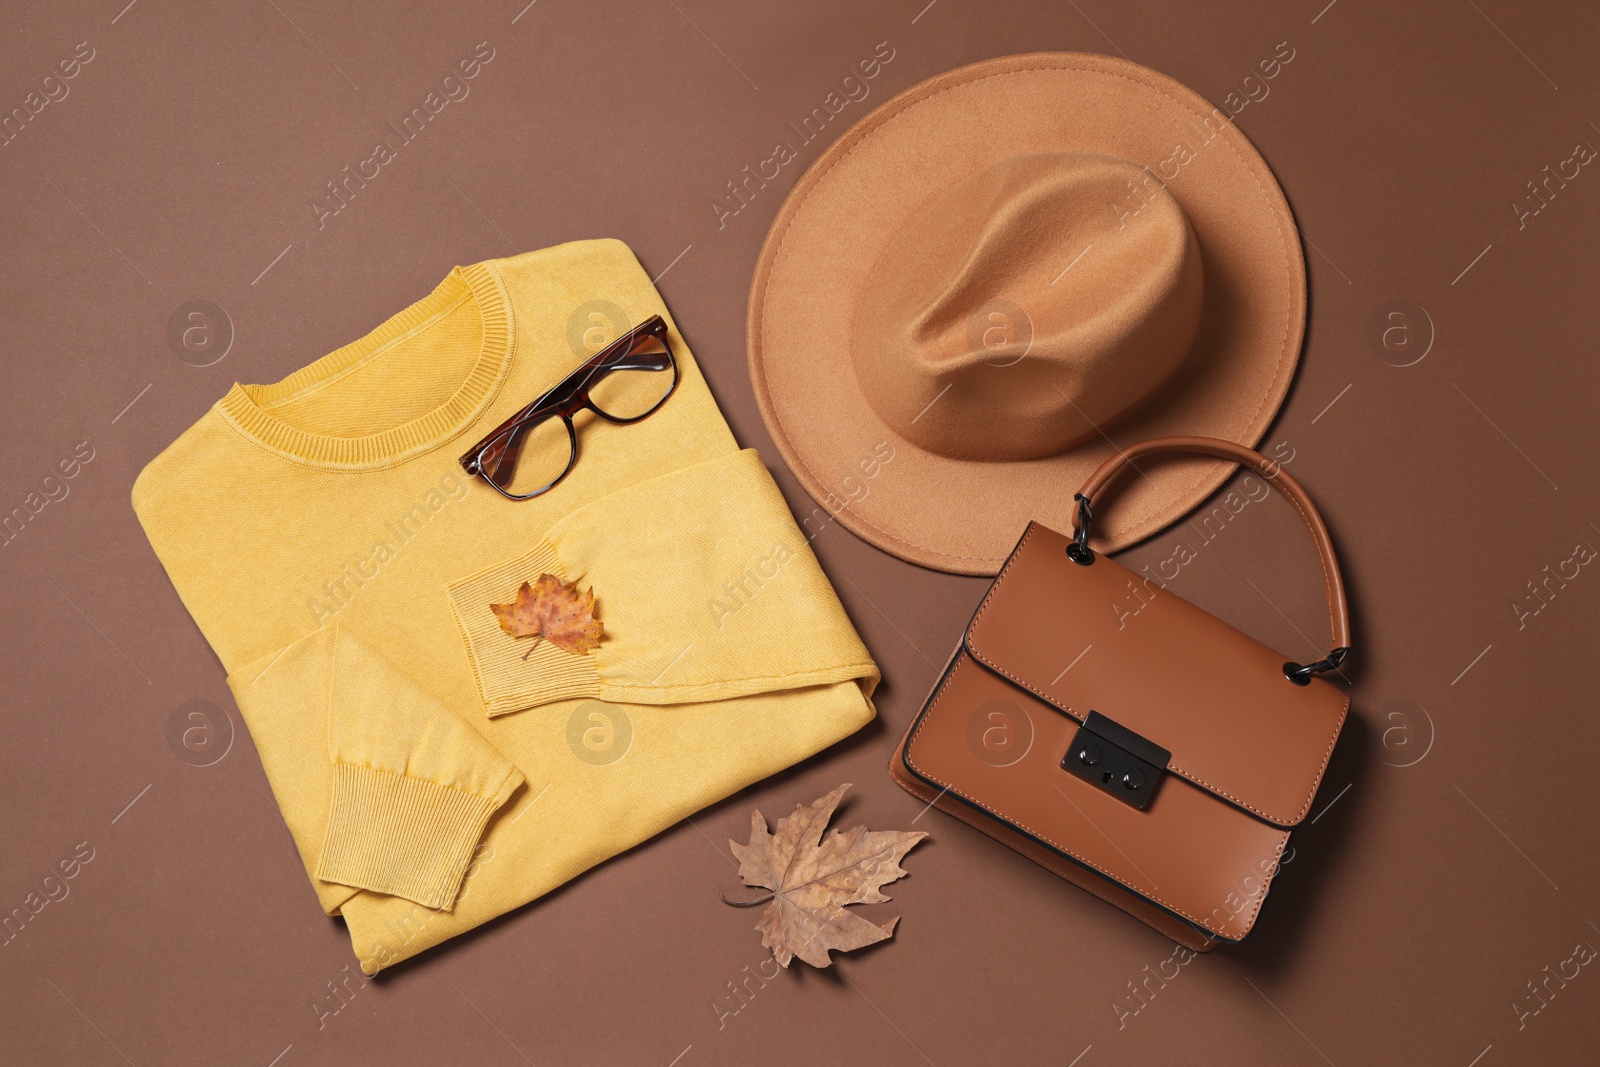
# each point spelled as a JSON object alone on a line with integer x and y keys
{"x": 1115, "y": 760}
{"x": 1300, "y": 673}
{"x": 1079, "y": 551}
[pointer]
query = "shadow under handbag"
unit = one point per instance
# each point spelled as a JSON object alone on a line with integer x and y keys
{"x": 1157, "y": 758}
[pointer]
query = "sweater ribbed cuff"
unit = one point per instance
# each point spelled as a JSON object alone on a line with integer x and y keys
{"x": 514, "y": 673}
{"x": 403, "y": 836}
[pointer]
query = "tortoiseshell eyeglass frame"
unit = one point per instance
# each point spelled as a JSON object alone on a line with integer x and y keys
{"x": 497, "y": 453}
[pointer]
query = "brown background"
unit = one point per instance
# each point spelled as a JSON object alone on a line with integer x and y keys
{"x": 1457, "y": 858}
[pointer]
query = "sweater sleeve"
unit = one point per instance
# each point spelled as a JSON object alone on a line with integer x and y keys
{"x": 407, "y": 788}
{"x": 706, "y": 587}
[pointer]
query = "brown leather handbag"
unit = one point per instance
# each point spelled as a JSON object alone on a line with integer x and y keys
{"x": 1156, "y": 757}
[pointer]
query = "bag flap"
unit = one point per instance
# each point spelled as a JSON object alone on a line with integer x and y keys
{"x": 1102, "y": 638}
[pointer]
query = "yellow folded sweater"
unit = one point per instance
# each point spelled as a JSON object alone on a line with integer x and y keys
{"x": 434, "y": 772}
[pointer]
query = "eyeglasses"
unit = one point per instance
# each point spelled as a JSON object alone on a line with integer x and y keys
{"x": 534, "y": 449}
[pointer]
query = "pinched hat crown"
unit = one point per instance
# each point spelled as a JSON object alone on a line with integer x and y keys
{"x": 1022, "y": 310}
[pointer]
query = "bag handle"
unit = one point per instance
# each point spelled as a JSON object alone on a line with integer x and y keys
{"x": 1338, "y": 612}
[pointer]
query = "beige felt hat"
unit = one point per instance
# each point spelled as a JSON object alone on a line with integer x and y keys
{"x": 1002, "y": 275}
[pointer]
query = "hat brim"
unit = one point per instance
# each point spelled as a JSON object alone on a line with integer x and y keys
{"x": 964, "y": 516}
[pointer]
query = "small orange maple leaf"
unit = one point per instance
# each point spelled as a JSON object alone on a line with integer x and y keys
{"x": 554, "y": 610}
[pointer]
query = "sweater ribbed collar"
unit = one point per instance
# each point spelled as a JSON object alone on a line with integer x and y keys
{"x": 248, "y": 407}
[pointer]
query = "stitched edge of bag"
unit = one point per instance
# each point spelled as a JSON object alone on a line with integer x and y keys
{"x": 922, "y": 720}
{"x": 965, "y": 814}
{"x": 1316, "y": 781}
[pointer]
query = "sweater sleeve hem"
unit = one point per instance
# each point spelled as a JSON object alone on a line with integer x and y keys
{"x": 514, "y": 674}
{"x": 404, "y": 836}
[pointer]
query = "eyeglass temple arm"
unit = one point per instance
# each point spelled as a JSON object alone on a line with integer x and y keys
{"x": 639, "y": 361}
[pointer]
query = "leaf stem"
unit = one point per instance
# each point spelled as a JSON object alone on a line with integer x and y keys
{"x": 746, "y": 903}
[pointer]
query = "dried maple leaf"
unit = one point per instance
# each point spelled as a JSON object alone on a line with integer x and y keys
{"x": 554, "y": 610}
{"x": 812, "y": 879}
